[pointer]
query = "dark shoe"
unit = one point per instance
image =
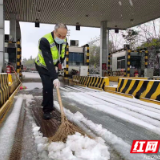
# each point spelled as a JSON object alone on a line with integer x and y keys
{"x": 47, "y": 115}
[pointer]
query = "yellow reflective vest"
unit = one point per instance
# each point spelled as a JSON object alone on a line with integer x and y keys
{"x": 54, "y": 51}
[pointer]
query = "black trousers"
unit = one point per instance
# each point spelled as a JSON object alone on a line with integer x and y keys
{"x": 47, "y": 83}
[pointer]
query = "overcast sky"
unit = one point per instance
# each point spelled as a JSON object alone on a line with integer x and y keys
{"x": 31, "y": 35}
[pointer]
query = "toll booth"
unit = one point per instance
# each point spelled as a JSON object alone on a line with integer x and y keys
{"x": 127, "y": 62}
{"x": 78, "y": 59}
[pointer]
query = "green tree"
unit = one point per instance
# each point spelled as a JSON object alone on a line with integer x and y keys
{"x": 154, "y": 42}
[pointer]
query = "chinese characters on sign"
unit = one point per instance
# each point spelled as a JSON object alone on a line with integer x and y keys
{"x": 145, "y": 146}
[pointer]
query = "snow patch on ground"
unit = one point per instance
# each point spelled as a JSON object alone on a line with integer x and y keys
{"x": 8, "y": 129}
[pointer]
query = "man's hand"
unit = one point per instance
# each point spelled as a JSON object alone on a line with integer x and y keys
{"x": 56, "y": 83}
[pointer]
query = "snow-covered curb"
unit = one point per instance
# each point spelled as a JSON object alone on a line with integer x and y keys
{"x": 7, "y": 131}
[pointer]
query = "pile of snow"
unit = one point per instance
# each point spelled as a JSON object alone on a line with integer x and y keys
{"x": 77, "y": 147}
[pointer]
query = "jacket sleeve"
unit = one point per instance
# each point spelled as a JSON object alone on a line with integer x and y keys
{"x": 45, "y": 48}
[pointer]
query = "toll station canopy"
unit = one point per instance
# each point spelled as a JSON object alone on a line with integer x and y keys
{"x": 120, "y": 14}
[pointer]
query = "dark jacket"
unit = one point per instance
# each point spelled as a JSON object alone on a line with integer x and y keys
{"x": 46, "y": 52}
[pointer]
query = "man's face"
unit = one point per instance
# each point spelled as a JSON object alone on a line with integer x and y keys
{"x": 61, "y": 33}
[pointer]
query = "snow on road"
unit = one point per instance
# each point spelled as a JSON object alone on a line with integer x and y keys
{"x": 131, "y": 110}
{"x": 121, "y": 146}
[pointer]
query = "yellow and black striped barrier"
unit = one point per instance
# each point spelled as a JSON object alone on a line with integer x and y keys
{"x": 5, "y": 100}
{"x": 75, "y": 79}
{"x": 99, "y": 83}
{"x": 87, "y": 58}
{"x": 4, "y": 89}
{"x": 67, "y": 63}
{"x": 87, "y": 55}
{"x": 109, "y": 64}
{"x": 13, "y": 82}
{"x": 87, "y": 81}
{"x": 19, "y": 59}
{"x": 140, "y": 88}
{"x": 82, "y": 81}
{"x": 128, "y": 62}
{"x": 146, "y": 58}
{"x": 92, "y": 82}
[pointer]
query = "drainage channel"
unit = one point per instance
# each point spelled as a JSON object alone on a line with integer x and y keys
{"x": 17, "y": 145}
